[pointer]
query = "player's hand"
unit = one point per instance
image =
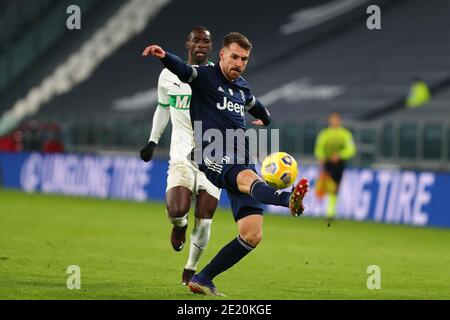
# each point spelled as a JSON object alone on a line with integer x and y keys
{"x": 257, "y": 122}
{"x": 147, "y": 151}
{"x": 154, "y": 50}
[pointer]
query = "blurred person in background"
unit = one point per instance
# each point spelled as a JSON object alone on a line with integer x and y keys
{"x": 33, "y": 136}
{"x": 12, "y": 142}
{"x": 334, "y": 147}
{"x": 52, "y": 139}
{"x": 419, "y": 93}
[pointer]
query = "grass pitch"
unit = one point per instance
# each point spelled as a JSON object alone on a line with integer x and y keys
{"x": 123, "y": 251}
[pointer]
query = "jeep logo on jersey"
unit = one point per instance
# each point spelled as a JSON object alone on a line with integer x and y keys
{"x": 180, "y": 101}
{"x": 236, "y": 107}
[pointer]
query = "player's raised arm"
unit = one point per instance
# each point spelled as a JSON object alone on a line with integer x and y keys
{"x": 183, "y": 71}
{"x": 154, "y": 50}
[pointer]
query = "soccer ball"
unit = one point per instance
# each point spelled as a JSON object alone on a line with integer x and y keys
{"x": 279, "y": 170}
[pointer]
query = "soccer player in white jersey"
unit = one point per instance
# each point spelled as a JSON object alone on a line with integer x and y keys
{"x": 184, "y": 180}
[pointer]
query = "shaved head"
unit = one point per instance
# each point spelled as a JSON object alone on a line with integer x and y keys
{"x": 198, "y": 29}
{"x": 199, "y": 46}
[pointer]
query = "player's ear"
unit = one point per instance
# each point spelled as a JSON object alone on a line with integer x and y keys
{"x": 221, "y": 54}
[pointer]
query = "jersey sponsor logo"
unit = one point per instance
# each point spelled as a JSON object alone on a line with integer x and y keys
{"x": 220, "y": 89}
{"x": 180, "y": 101}
{"x": 232, "y": 107}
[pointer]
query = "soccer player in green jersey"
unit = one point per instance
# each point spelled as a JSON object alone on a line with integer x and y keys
{"x": 334, "y": 147}
{"x": 184, "y": 180}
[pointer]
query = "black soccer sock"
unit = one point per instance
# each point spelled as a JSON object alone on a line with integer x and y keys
{"x": 264, "y": 193}
{"x": 232, "y": 253}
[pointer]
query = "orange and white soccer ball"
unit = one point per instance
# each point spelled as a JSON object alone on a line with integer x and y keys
{"x": 279, "y": 170}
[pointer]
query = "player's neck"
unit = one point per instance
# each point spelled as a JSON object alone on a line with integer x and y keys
{"x": 197, "y": 63}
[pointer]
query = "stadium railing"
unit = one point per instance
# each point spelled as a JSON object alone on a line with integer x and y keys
{"x": 411, "y": 144}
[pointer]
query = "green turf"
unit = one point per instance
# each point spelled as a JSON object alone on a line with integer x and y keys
{"x": 123, "y": 251}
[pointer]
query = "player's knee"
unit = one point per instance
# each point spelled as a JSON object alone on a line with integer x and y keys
{"x": 253, "y": 238}
{"x": 177, "y": 210}
{"x": 245, "y": 179}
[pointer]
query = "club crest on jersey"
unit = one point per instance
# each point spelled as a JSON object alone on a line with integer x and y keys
{"x": 232, "y": 107}
{"x": 242, "y": 95}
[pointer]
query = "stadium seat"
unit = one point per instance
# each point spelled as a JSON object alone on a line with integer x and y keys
{"x": 28, "y": 29}
{"x": 3, "y": 67}
{"x": 432, "y": 142}
{"x": 289, "y": 137}
{"x": 23, "y": 53}
{"x": 387, "y": 144}
{"x": 310, "y": 131}
{"x": 408, "y": 141}
{"x": 366, "y": 139}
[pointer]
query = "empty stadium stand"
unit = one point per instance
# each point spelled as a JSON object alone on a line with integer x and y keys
{"x": 141, "y": 75}
{"x": 28, "y": 30}
{"x": 310, "y": 58}
{"x": 363, "y": 70}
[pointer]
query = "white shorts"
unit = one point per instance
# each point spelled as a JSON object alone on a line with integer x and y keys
{"x": 184, "y": 174}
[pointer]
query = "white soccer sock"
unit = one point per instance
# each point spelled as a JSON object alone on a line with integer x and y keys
{"x": 199, "y": 240}
{"x": 179, "y": 222}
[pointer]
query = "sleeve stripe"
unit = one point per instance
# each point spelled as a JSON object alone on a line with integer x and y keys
{"x": 194, "y": 74}
{"x": 251, "y": 104}
{"x": 163, "y": 105}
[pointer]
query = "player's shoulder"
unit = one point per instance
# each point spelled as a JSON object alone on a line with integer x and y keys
{"x": 346, "y": 131}
{"x": 166, "y": 76}
{"x": 207, "y": 67}
{"x": 327, "y": 132}
{"x": 241, "y": 82}
{"x": 207, "y": 71}
{"x": 324, "y": 131}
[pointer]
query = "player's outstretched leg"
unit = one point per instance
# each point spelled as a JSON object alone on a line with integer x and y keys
{"x": 206, "y": 287}
{"x": 293, "y": 200}
{"x": 247, "y": 181}
{"x": 178, "y": 202}
{"x": 296, "y": 199}
{"x": 227, "y": 257}
{"x": 250, "y": 235}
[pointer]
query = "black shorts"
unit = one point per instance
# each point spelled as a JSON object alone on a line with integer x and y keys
{"x": 335, "y": 170}
{"x": 224, "y": 176}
